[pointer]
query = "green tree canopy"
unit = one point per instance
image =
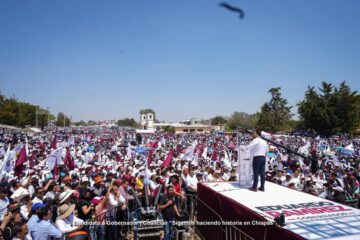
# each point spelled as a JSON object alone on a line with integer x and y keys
{"x": 16, "y": 113}
{"x": 127, "y": 122}
{"x": 62, "y": 120}
{"x": 147, "y": 110}
{"x": 218, "y": 120}
{"x": 91, "y": 123}
{"x": 242, "y": 119}
{"x": 169, "y": 129}
{"x": 274, "y": 113}
{"x": 331, "y": 110}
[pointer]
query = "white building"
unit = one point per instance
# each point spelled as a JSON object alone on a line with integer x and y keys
{"x": 147, "y": 121}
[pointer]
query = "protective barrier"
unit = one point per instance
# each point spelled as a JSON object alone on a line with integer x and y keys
{"x": 221, "y": 231}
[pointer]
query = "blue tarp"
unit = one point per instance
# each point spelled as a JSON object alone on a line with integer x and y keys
{"x": 347, "y": 152}
{"x": 141, "y": 150}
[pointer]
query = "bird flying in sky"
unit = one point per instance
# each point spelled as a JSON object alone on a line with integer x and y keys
{"x": 234, "y": 9}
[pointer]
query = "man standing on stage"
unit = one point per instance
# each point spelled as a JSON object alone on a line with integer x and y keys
{"x": 258, "y": 149}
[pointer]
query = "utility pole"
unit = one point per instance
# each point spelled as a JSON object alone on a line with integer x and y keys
{"x": 48, "y": 112}
{"x": 40, "y": 112}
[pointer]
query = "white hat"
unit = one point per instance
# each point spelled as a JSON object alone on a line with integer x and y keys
{"x": 65, "y": 195}
{"x": 65, "y": 211}
{"x": 19, "y": 194}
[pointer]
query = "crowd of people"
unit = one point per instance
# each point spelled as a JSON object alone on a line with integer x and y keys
{"x": 55, "y": 183}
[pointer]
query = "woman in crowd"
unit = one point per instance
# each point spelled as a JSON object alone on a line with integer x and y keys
{"x": 66, "y": 222}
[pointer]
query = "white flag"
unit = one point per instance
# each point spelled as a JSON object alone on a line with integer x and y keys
{"x": 71, "y": 140}
{"x": 195, "y": 162}
{"x": 204, "y": 154}
{"x": 3, "y": 163}
{"x": 128, "y": 151}
{"x": 2, "y": 152}
{"x": 54, "y": 157}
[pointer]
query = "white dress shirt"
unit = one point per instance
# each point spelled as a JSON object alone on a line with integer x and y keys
{"x": 258, "y": 147}
{"x": 112, "y": 203}
{"x": 68, "y": 224}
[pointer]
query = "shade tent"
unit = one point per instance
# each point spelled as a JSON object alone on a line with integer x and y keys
{"x": 32, "y": 129}
{"x": 10, "y": 129}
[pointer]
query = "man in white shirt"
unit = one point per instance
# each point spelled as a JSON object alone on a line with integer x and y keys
{"x": 191, "y": 182}
{"x": 258, "y": 149}
{"x": 4, "y": 202}
{"x": 39, "y": 194}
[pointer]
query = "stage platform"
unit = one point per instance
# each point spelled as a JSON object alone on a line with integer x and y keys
{"x": 307, "y": 216}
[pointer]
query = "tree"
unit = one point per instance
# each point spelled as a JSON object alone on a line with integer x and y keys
{"x": 241, "y": 119}
{"x": 9, "y": 113}
{"x": 127, "y": 122}
{"x": 80, "y": 123}
{"x": 218, "y": 120}
{"x": 91, "y": 123}
{"x": 17, "y": 113}
{"x": 2, "y": 100}
{"x": 274, "y": 113}
{"x": 51, "y": 116}
{"x": 169, "y": 129}
{"x": 146, "y": 111}
{"x": 62, "y": 120}
{"x": 333, "y": 110}
{"x": 290, "y": 125}
{"x": 26, "y": 114}
{"x": 347, "y": 109}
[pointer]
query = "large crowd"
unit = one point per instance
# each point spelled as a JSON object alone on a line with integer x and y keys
{"x": 55, "y": 182}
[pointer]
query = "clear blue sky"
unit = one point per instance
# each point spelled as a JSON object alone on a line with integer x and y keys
{"x": 95, "y": 59}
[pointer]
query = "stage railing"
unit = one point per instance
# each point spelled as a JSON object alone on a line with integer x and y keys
{"x": 219, "y": 231}
{"x": 112, "y": 232}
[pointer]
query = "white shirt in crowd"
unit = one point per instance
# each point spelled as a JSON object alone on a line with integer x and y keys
{"x": 24, "y": 212}
{"x": 278, "y": 164}
{"x": 68, "y": 224}
{"x": 112, "y": 203}
{"x": 4, "y": 203}
{"x": 225, "y": 177}
{"x": 205, "y": 176}
{"x": 31, "y": 190}
{"x": 36, "y": 200}
{"x": 258, "y": 147}
{"x": 50, "y": 194}
{"x": 191, "y": 182}
{"x": 153, "y": 185}
{"x": 210, "y": 178}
